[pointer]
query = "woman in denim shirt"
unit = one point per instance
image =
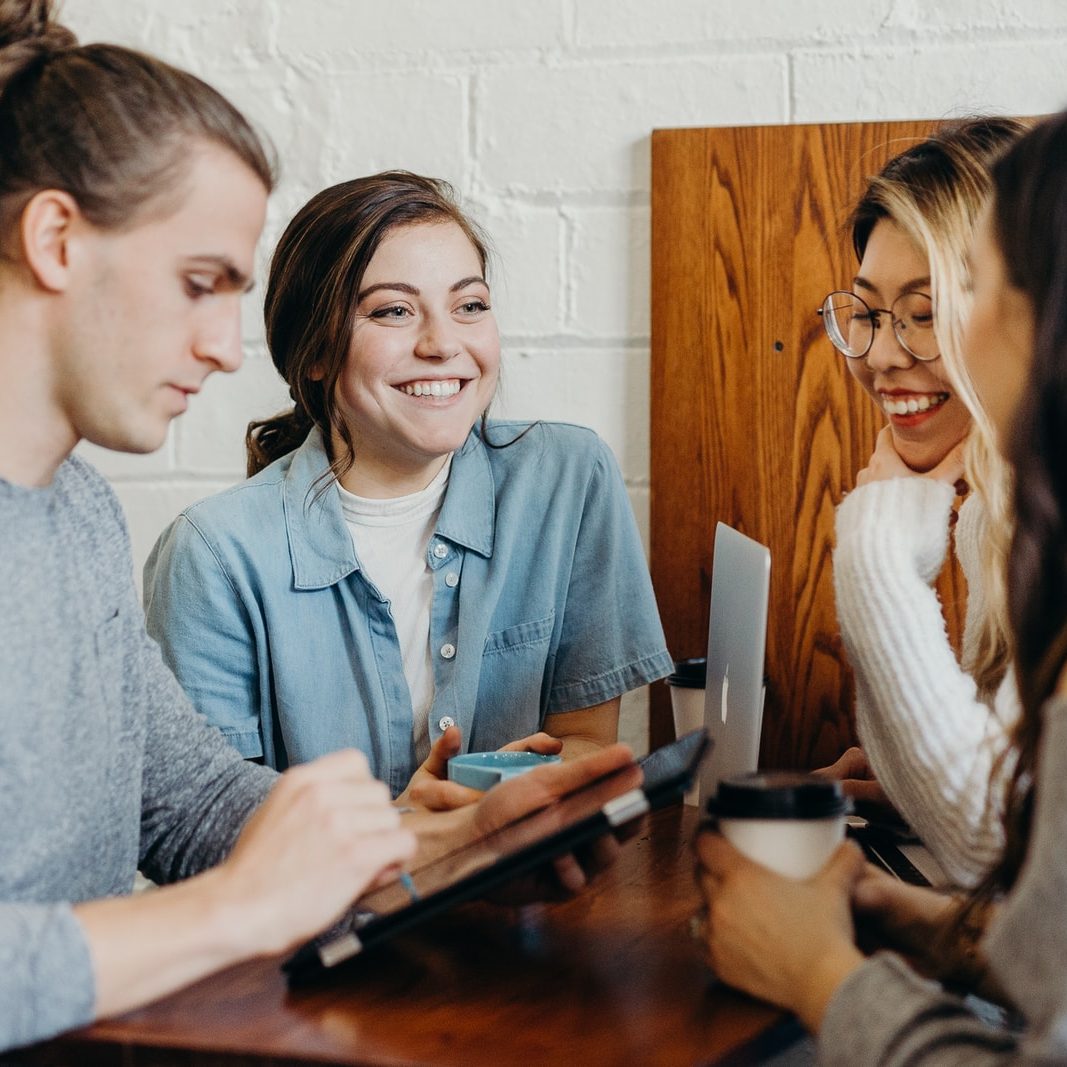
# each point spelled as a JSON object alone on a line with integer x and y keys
{"x": 400, "y": 574}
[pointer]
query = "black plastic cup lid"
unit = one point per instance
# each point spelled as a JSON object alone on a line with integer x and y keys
{"x": 778, "y": 795}
{"x": 689, "y": 673}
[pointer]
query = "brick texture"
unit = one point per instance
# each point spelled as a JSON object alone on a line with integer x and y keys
{"x": 540, "y": 113}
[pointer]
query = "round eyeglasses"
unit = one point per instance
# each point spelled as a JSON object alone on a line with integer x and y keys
{"x": 851, "y": 323}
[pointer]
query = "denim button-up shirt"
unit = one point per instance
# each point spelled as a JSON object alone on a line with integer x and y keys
{"x": 542, "y": 603}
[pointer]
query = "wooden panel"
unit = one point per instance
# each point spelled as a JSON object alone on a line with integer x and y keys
{"x": 755, "y": 420}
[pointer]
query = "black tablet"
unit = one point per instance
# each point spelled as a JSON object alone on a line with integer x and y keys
{"x": 599, "y": 807}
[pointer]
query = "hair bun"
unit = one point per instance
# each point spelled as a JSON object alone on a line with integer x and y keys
{"x": 28, "y": 32}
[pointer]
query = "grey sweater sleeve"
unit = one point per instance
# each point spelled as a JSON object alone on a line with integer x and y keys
{"x": 46, "y": 976}
{"x": 198, "y": 792}
{"x": 103, "y": 764}
{"x": 884, "y": 1014}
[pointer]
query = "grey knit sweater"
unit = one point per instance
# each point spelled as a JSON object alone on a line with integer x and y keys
{"x": 884, "y": 1014}
{"x": 104, "y": 765}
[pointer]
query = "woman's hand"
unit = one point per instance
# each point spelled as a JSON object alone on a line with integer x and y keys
{"x": 429, "y": 786}
{"x": 909, "y": 919}
{"x": 537, "y": 789}
{"x": 788, "y": 942}
{"x": 885, "y": 463}
{"x": 515, "y": 798}
{"x": 857, "y": 779}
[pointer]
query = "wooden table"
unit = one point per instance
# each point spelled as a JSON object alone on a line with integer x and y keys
{"x": 610, "y": 977}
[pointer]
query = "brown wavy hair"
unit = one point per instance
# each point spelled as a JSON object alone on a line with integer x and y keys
{"x": 108, "y": 125}
{"x": 315, "y": 277}
{"x": 1029, "y": 216}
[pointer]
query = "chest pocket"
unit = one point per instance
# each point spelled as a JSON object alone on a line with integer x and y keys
{"x": 522, "y": 636}
{"x": 512, "y": 683}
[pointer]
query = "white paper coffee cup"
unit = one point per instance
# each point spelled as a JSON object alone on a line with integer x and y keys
{"x": 789, "y": 823}
{"x": 687, "y": 703}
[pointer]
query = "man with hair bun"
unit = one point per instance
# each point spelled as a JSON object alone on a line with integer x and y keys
{"x": 131, "y": 199}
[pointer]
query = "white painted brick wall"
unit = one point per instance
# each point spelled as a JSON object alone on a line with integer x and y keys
{"x": 540, "y": 112}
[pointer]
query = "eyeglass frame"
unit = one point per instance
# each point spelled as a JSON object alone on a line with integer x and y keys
{"x": 874, "y": 312}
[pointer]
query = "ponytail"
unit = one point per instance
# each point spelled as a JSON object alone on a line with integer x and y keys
{"x": 269, "y": 439}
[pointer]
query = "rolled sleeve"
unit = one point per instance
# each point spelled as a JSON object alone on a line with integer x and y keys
{"x": 611, "y": 637}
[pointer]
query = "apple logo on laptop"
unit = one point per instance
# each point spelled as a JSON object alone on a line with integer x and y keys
{"x": 725, "y": 689}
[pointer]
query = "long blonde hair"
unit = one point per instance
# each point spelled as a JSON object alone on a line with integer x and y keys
{"x": 935, "y": 192}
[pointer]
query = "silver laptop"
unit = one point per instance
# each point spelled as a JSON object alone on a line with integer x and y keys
{"x": 737, "y": 638}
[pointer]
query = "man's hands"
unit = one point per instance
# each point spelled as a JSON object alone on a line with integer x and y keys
{"x": 429, "y": 786}
{"x": 326, "y": 832}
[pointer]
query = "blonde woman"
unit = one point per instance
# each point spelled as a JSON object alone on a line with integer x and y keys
{"x": 791, "y": 942}
{"x": 932, "y": 726}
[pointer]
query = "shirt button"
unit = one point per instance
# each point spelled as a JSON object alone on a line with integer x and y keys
{"x": 445, "y": 723}
{"x": 451, "y": 579}
{"x": 440, "y": 550}
{"x": 448, "y": 651}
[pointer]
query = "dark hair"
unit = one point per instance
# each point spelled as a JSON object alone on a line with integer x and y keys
{"x": 1029, "y": 217}
{"x": 108, "y": 125}
{"x": 315, "y": 277}
{"x": 948, "y": 167}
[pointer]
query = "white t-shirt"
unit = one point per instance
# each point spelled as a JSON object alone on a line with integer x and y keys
{"x": 391, "y": 538}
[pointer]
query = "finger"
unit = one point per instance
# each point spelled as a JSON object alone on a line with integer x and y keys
{"x": 597, "y": 855}
{"x": 718, "y": 857}
{"x": 950, "y": 469}
{"x": 315, "y": 800}
{"x": 443, "y": 796}
{"x": 443, "y": 749}
{"x": 866, "y": 789}
{"x": 846, "y": 866}
{"x": 345, "y": 763}
{"x": 542, "y": 743}
{"x": 852, "y": 763}
{"x": 375, "y": 853}
{"x": 872, "y": 890}
{"x": 569, "y": 872}
{"x": 562, "y": 778}
{"x": 884, "y": 441}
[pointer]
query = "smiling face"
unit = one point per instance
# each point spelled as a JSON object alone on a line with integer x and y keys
{"x": 154, "y": 309}
{"x": 422, "y": 362}
{"x": 925, "y": 416}
{"x": 999, "y": 339}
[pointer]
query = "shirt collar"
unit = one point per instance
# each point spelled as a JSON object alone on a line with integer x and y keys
{"x": 468, "y": 515}
{"x": 320, "y": 545}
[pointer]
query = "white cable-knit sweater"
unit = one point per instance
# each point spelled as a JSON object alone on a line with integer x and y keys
{"x": 930, "y": 737}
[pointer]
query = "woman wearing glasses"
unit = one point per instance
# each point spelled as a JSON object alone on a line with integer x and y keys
{"x": 931, "y": 726}
{"x": 791, "y": 942}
